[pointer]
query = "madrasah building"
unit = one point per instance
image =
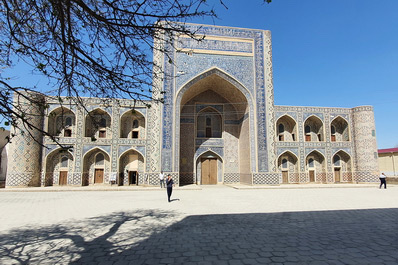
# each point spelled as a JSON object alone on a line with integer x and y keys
{"x": 218, "y": 125}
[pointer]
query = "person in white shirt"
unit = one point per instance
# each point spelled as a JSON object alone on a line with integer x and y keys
{"x": 383, "y": 180}
{"x": 161, "y": 178}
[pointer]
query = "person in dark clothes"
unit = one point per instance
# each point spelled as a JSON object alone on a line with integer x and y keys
{"x": 383, "y": 180}
{"x": 169, "y": 185}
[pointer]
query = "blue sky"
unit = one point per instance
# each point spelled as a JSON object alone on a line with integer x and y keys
{"x": 340, "y": 53}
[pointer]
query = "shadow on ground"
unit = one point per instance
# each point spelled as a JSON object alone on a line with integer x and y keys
{"x": 157, "y": 237}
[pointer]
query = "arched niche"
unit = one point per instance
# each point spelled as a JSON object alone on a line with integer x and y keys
{"x": 62, "y": 122}
{"x": 339, "y": 130}
{"x": 209, "y": 123}
{"x": 315, "y": 164}
{"x": 289, "y": 166}
{"x": 98, "y": 124}
{"x": 58, "y": 164}
{"x": 286, "y": 128}
{"x": 209, "y": 168}
{"x": 313, "y": 130}
{"x": 342, "y": 167}
{"x": 96, "y": 167}
{"x": 131, "y": 168}
{"x": 132, "y": 125}
{"x": 215, "y": 94}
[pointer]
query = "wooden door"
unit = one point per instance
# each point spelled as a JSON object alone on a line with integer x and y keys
{"x": 63, "y": 177}
{"x": 208, "y": 132}
{"x": 333, "y": 138}
{"x": 209, "y": 171}
{"x": 99, "y": 175}
{"x": 312, "y": 175}
{"x": 308, "y": 137}
{"x": 337, "y": 174}
{"x": 285, "y": 177}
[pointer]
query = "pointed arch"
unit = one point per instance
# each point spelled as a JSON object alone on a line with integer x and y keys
{"x": 316, "y": 131}
{"x": 288, "y": 165}
{"x": 56, "y": 173}
{"x": 341, "y": 162}
{"x": 237, "y": 110}
{"x": 92, "y": 172}
{"x": 209, "y": 123}
{"x": 132, "y": 125}
{"x": 287, "y": 152}
{"x": 209, "y": 168}
{"x": 289, "y": 132}
{"x": 131, "y": 167}
{"x": 341, "y": 132}
{"x": 93, "y": 126}
{"x": 57, "y": 122}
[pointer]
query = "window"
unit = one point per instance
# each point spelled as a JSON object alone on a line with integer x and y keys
{"x": 281, "y": 128}
{"x": 332, "y": 130}
{"x": 68, "y": 122}
{"x": 209, "y": 124}
{"x": 336, "y": 161}
{"x": 311, "y": 163}
{"x": 102, "y": 122}
{"x": 307, "y": 131}
{"x": 64, "y": 161}
{"x": 333, "y": 133}
{"x": 99, "y": 159}
{"x": 134, "y": 134}
{"x": 284, "y": 163}
{"x": 135, "y": 124}
{"x": 208, "y": 121}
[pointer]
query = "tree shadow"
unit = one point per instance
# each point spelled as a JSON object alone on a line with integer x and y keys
{"x": 161, "y": 237}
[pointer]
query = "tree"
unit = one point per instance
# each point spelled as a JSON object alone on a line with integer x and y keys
{"x": 96, "y": 48}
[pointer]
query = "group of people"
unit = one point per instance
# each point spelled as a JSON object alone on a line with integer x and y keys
{"x": 169, "y": 184}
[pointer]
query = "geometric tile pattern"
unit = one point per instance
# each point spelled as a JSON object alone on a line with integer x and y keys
{"x": 267, "y": 178}
{"x": 231, "y": 178}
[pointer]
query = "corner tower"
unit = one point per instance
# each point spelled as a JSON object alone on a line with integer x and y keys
{"x": 24, "y": 158}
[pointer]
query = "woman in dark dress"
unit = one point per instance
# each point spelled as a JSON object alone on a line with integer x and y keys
{"x": 169, "y": 185}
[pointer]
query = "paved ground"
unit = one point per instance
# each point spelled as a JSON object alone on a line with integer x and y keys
{"x": 206, "y": 225}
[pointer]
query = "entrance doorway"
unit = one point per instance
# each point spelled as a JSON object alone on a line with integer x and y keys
{"x": 285, "y": 175}
{"x": 312, "y": 175}
{"x": 133, "y": 178}
{"x": 99, "y": 175}
{"x": 337, "y": 174}
{"x": 63, "y": 177}
{"x": 209, "y": 171}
